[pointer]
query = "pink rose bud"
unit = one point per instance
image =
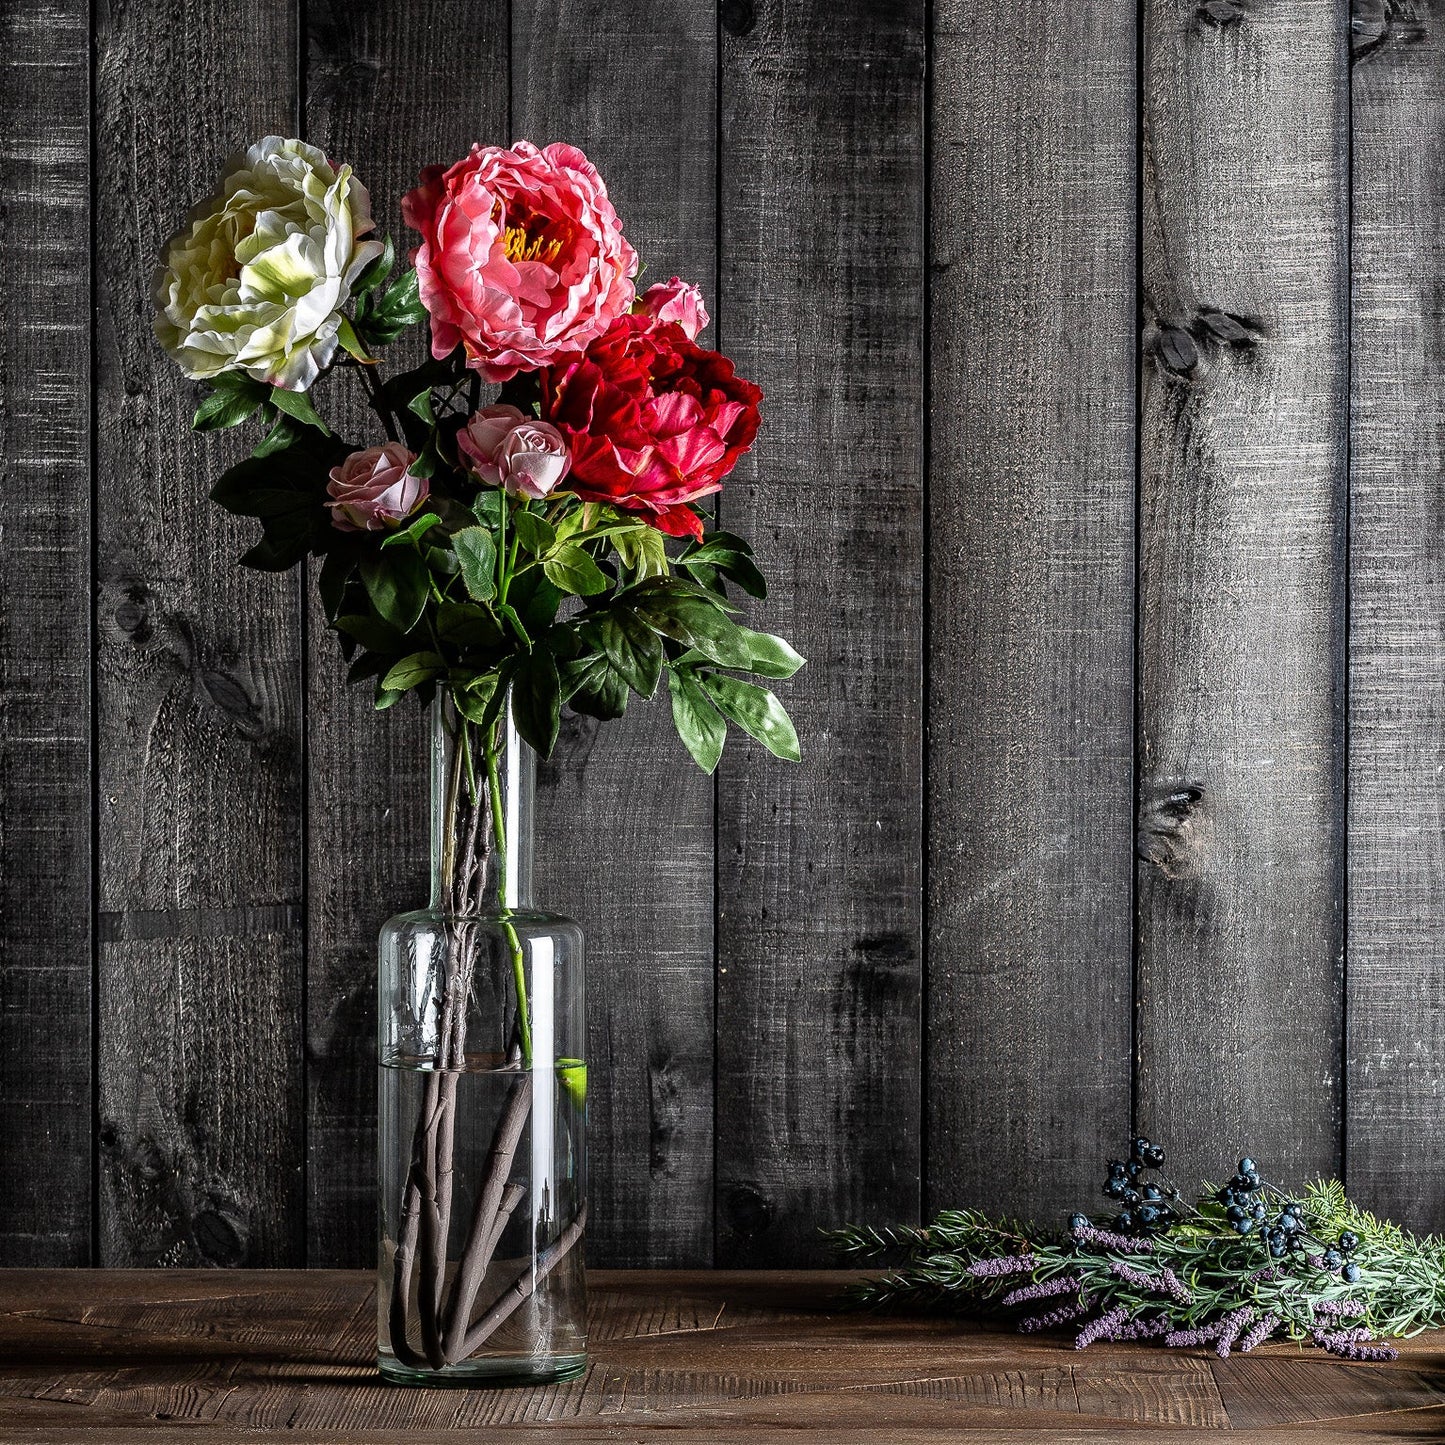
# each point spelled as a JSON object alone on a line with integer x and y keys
{"x": 678, "y": 301}
{"x": 506, "y": 449}
{"x": 372, "y": 490}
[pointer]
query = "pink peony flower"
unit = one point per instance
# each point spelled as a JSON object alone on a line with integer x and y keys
{"x": 372, "y": 490}
{"x": 522, "y": 257}
{"x": 676, "y": 300}
{"x": 508, "y": 449}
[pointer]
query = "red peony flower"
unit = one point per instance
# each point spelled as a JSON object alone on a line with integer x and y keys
{"x": 654, "y": 421}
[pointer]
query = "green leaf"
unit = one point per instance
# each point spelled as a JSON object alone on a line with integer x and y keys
{"x": 371, "y": 632}
{"x": 698, "y": 723}
{"x": 476, "y": 551}
{"x": 572, "y": 570}
{"x": 413, "y": 531}
{"x": 750, "y": 651}
{"x": 298, "y": 404}
{"x": 487, "y": 508}
{"x": 536, "y": 601}
{"x": 537, "y": 701}
{"x": 335, "y": 572}
{"x": 757, "y": 712}
{"x": 505, "y": 609}
{"x": 398, "y": 588}
{"x": 397, "y": 309}
{"x": 464, "y": 624}
{"x": 378, "y": 271}
{"x": 731, "y": 556}
{"x": 386, "y": 699}
{"x": 632, "y": 648}
{"x": 231, "y": 401}
{"x": 689, "y": 620}
{"x": 411, "y": 670}
{"x": 284, "y": 433}
{"x": 475, "y": 700}
{"x": 369, "y": 664}
{"x": 643, "y": 552}
{"x": 594, "y": 688}
{"x": 535, "y": 532}
{"x": 420, "y": 405}
{"x": 351, "y": 343}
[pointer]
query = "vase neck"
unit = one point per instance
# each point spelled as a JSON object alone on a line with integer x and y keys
{"x": 482, "y": 789}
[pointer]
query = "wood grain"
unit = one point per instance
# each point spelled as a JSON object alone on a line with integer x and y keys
{"x": 626, "y": 821}
{"x": 1242, "y": 436}
{"x": 819, "y": 865}
{"x": 198, "y": 698}
{"x": 390, "y": 96}
{"x": 735, "y": 1355}
{"x": 45, "y": 711}
{"x": 1395, "y": 1080}
{"x": 1031, "y": 602}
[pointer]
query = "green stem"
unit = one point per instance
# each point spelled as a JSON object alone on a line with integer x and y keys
{"x": 378, "y": 405}
{"x": 499, "y": 833}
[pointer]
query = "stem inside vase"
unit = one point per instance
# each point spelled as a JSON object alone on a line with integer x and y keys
{"x": 483, "y": 1090}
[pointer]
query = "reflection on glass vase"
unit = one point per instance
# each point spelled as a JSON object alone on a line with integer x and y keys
{"x": 483, "y": 1092}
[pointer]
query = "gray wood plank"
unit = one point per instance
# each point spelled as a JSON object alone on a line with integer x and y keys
{"x": 1242, "y": 437}
{"x": 1395, "y": 1072}
{"x": 626, "y": 819}
{"x": 1031, "y": 638}
{"x": 390, "y": 95}
{"x": 819, "y": 865}
{"x": 198, "y": 698}
{"x": 45, "y": 765}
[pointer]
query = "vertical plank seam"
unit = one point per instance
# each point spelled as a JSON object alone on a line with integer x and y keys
{"x": 925, "y": 612}
{"x": 1347, "y": 575}
{"x": 717, "y": 337}
{"x": 93, "y": 647}
{"x": 303, "y": 662}
{"x": 1136, "y": 741}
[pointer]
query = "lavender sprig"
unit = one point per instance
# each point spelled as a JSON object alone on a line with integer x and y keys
{"x": 1102, "y": 1327}
{"x": 1044, "y": 1289}
{"x": 1051, "y": 1319}
{"x": 1259, "y": 1332}
{"x": 1001, "y": 1264}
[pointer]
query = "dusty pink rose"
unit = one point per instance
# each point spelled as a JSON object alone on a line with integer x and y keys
{"x": 371, "y": 491}
{"x": 522, "y": 257}
{"x": 677, "y": 301}
{"x": 508, "y": 449}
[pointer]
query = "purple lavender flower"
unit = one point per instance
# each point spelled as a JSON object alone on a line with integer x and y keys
{"x": 1231, "y": 1327}
{"x": 1186, "y": 1339}
{"x": 1088, "y": 1234}
{"x": 1061, "y": 1316}
{"x": 1165, "y": 1282}
{"x": 1102, "y": 1327}
{"x": 1338, "y": 1308}
{"x": 1259, "y": 1333}
{"x": 1176, "y": 1286}
{"x": 1000, "y": 1265}
{"x": 1142, "y": 1329}
{"x": 1343, "y": 1344}
{"x": 1261, "y": 1276}
{"x": 1065, "y": 1284}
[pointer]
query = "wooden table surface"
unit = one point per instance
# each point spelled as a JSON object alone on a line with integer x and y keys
{"x": 212, "y": 1356}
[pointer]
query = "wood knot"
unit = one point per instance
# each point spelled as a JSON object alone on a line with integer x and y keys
{"x": 1219, "y": 13}
{"x": 1173, "y": 827}
{"x": 737, "y": 17}
{"x": 747, "y": 1212}
{"x": 219, "y": 1237}
{"x": 1176, "y": 350}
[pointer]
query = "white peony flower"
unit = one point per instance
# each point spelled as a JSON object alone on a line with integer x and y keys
{"x": 257, "y": 280}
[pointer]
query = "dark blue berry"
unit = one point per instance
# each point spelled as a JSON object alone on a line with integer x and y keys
{"x": 1257, "y": 1209}
{"x": 1133, "y": 1168}
{"x": 1131, "y": 1197}
{"x": 1116, "y": 1169}
{"x": 1078, "y": 1222}
{"x": 1277, "y": 1248}
{"x": 1148, "y": 1214}
{"x": 1244, "y": 1226}
{"x": 1247, "y": 1165}
{"x": 1141, "y": 1147}
{"x": 1154, "y": 1157}
{"x": 1124, "y": 1222}
{"x": 1351, "y": 1272}
{"x": 1252, "y": 1179}
{"x": 1151, "y": 1192}
{"x": 1225, "y": 1196}
{"x": 1237, "y": 1212}
{"x": 1349, "y": 1242}
{"x": 1114, "y": 1189}
{"x": 1333, "y": 1259}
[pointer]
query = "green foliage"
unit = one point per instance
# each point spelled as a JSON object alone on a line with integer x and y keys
{"x": 550, "y": 603}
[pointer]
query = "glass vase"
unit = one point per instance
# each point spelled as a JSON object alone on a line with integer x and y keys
{"x": 482, "y": 1093}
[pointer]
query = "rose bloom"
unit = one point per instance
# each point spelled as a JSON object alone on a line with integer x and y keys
{"x": 372, "y": 490}
{"x": 654, "y": 422}
{"x": 508, "y": 449}
{"x": 257, "y": 280}
{"x": 676, "y": 300}
{"x": 522, "y": 257}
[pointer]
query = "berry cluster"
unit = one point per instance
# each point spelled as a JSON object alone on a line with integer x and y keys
{"x": 1147, "y": 1206}
{"x": 1246, "y": 1201}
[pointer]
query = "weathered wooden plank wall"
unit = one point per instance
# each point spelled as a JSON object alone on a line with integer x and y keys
{"x": 1101, "y": 485}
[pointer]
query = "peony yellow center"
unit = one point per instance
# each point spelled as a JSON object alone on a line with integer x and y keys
{"x": 529, "y": 240}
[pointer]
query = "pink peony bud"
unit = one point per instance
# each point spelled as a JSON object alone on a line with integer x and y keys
{"x": 372, "y": 490}
{"x": 507, "y": 449}
{"x": 678, "y": 301}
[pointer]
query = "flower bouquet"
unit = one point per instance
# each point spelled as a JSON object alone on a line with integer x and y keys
{"x": 521, "y": 531}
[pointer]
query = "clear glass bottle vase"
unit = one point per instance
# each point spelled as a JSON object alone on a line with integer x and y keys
{"x": 483, "y": 1092}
